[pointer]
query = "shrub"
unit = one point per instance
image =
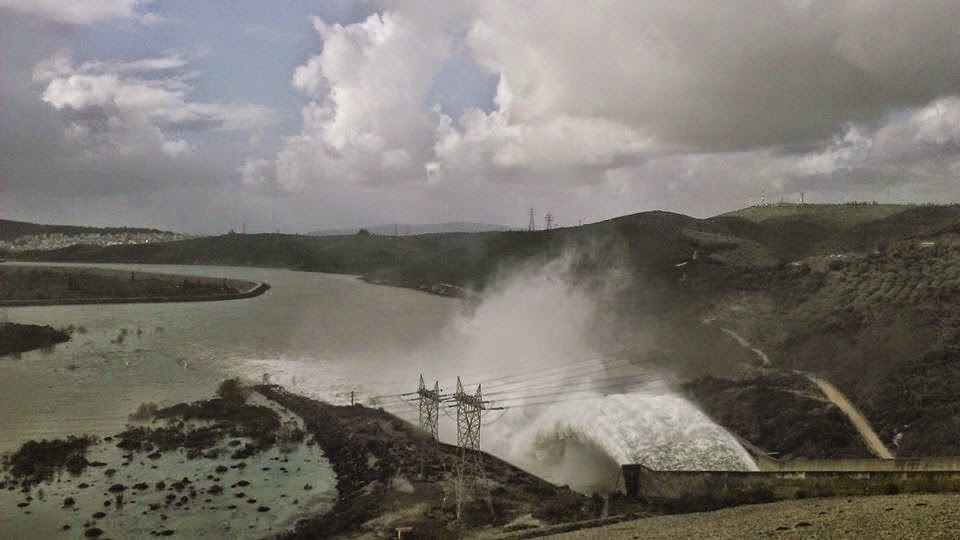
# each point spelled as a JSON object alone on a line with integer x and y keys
{"x": 145, "y": 411}
{"x": 233, "y": 390}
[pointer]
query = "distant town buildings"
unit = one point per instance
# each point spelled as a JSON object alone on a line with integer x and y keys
{"x": 33, "y": 242}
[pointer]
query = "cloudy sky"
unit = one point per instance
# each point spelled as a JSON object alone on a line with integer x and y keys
{"x": 201, "y": 115}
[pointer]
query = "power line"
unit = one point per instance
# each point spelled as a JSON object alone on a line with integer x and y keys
{"x": 589, "y": 383}
{"x": 558, "y": 377}
{"x": 521, "y": 397}
{"x": 570, "y": 365}
{"x": 551, "y": 368}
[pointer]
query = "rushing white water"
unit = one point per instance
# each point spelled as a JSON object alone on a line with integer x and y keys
{"x": 537, "y": 323}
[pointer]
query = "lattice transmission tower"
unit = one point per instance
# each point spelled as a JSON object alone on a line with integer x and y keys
{"x": 429, "y": 401}
{"x": 470, "y": 409}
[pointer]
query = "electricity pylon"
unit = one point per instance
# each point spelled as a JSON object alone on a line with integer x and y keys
{"x": 470, "y": 408}
{"x": 429, "y": 408}
{"x": 469, "y": 411}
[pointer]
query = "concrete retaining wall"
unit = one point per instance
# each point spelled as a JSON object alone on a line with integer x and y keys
{"x": 862, "y": 464}
{"x": 772, "y": 485}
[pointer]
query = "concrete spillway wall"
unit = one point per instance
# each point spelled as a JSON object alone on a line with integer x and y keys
{"x": 786, "y": 484}
{"x": 862, "y": 464}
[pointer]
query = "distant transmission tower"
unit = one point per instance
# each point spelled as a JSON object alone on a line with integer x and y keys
{"x": 549, "y": 220}
{"x": 533, "y": 222}
{"x": 429, "y": 408}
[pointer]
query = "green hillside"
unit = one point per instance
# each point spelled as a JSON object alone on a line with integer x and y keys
{"x": 837, "y": 215}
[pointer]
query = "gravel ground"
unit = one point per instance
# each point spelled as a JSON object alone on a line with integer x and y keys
{"x": 890, "y": 516}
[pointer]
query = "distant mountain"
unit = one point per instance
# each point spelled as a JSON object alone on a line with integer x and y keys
{"x": 11, "y": 230}
{"x": 405, "y": 229}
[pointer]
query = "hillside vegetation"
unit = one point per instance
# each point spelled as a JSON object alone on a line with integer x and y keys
{"x": 11, "y": 230}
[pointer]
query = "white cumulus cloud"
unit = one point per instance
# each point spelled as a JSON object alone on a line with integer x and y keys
{"x": 82, "y": 11}
{"x": 130, "y": 106}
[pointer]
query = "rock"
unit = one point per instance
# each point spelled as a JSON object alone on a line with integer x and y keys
{"x": 99, "y": 515}
{"x": 93, "y": 532}
{"x": 263, "y": 509}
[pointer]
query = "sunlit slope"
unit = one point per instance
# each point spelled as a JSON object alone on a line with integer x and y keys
{"x": 834, "y": 215}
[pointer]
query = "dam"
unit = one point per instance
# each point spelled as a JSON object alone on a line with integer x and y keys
{"x": 797, "y": 479}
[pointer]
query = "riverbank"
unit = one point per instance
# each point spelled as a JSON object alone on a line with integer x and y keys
{"x": 29, "y": 285}
{"x": 17, "y": 338}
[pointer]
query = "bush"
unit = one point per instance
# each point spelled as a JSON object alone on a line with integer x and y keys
{"x": 145, "y": 411}
{"x": 233, "y": 390}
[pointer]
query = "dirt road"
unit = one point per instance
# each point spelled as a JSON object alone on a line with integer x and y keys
{"x": 833, "y": 394}
{"x": 859, "y": 421}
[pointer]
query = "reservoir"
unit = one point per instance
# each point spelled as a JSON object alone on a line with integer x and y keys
{"x": 316, "y": 333}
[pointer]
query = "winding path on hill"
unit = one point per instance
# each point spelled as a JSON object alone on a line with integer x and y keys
{"x": 860, "y": 422}
{"x": 832, "y": 393}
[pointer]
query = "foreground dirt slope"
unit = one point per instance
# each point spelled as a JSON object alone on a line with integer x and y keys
{"x": 891, "y": 516}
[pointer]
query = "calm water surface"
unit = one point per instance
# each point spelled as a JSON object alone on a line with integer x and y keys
{"x": 323, "y": 334}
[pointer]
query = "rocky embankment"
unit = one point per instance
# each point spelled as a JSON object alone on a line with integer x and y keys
{"x": 17, "y": 338}
{"x": 392, "y": 475}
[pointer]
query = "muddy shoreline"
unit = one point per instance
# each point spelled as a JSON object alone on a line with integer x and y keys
{"x": 38, "y": 285}
{"x": 257, "y": 289}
